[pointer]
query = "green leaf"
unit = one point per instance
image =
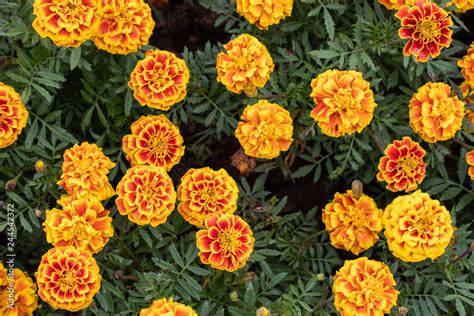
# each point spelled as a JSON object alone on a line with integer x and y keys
{"x": 329, "y": 23}
{"x": 75, "y": 57}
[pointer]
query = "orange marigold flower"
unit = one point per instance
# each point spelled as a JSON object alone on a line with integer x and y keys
{"x": 470, "y": 162}
{"x": 344, "y": 102}
{"x": 13, "y": 115}
{"x": 205, "y": 191}
{"x": 146, "y": 195}
{"x": 467, "y": 66}
{"x": 462, "y": 5}
{"x": 167, "y": 307}
{"x": 468, "y": 97}
{"x": 245, "y": 66}
{"x": 402, "y": 167}
{"x": 364, "y": 287}
{"x": 124, "y": 27}
{"x": 264, "y": 13}
{"x": 428, "y": 28}
{"x": 85, "y": 169}
{"x": 435, "y": 113}
{"x": 17, "y": 295}
{"x": 159, "y": 80}
{"x": 68, "y": 278}
{"x": 154, "y": 141}
{"x": 265, "y": 130}
{"x": 396, "y": 4}
{"x": 67, "y": 22}
{"x": 417, "y": 227}
{"x": 226, "y": 242}
{"x": 82, "y": 223}
{"x": 353, "y": 224}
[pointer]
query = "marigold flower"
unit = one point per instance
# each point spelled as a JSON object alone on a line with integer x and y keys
{"x": 436, "y": 114}
{"x": 263, "y": 311}
{"x": 467, "y": 66}
{"x": 428, "y": 28}
{"x": 245, "y": 66}
{"x": 265, "y": 130}
{"x": 243, "y": 163}
{"x": 146, "y": 195}
{"x": 83, "y": 223}
{"x": 402, "y": 167}
{"x": 124, "y": 27}
{"x": 167, "y": 307}
{"x": 13, "y": 115}
{"x": 24, "y": 300}
{"x": 344, "y": 102}
{"x": 364, "y": 287}
{"x": 68, "y": 278}
{"x": 468, "y": 97}
{"x": 470, "y": 162}
{"x": 462, "y": 5}
{"x": 264, "y": 13}
{"x": 226, "y": 242}
{"x": 85, "y": 169}
{"x": 396, "y": 4}
{"x": 417, "y": 227}
{"x": 40, "y": 166}
{"x": 154, "y": 141}
{"x": 205, "y": 191}
{"x": 67, "y": 22}
{"x": 353, "y": 224}
{"x": 159, "y": 80}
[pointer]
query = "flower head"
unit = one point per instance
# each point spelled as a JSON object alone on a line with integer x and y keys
{"x": 68, "y": 278}
{"x": 85, "y": 169}
{"x": 82, "y": 223}
{"x": 167, "y": 307}
{"x": 125, "y": 26}
{"x": 417, "y": 227}
{"x": 353, "y": 224}
{"x": 265, "y": 130}
{"x": 24, "y": 300}
{"x": 264, "y": 13}
{"x": 468, "y": 97}
{"x": 245, "y": 66}
{"x": 13, "y": 115}
{"x": 154, "y": 141}
{"x": 427, "y": 26}
{"x": 436, "y": 114}
{"x": 364, "y": 287}
{"x": 226, "y": 242}
{"x": 146, "y": 195}
{"x": 402, "y": 167}
{"x": 470, "y": 162}
{"x": 344, "y": 102}
{"x": 462, "y": 5}
{"x": 396, "y": 4}
{"x": 467, "y": 66}
{"x": 159, "y": 80}
{"x": 205, "y": 191}
{"x": 66, "y": 22}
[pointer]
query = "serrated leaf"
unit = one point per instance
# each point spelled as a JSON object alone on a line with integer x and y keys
{"x": 75, "y": 57}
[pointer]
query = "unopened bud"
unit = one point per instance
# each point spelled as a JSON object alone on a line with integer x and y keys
{"x": 357, "y": 189}
{"x": 234, "y": 296}
{"x": 320, "y": 277}
{"x": 403, "y": 311}
{"x": 10, "y": 185}
{"x": 119, "y": 274}
{"x": 263, "y": 311}
{"x": 40, "y": 166}
{"x": 250, "y": 90}
{"x": 38, "y": 213}
{"x": 244, "y": 163}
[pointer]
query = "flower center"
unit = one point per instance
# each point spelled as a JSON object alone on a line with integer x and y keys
{"x": 423, "y": 224}
{"x": 373, "y": 290}
{"x": 4, "y": 296}
{"x": 267, "y": 130}
{"x": 209, "y": 195}
{"x": 355, "y": 217}
{"x": 72, "y": 8}
{"x": 228, "y": 240}
{"x": 443, "y": 108}
{"x": 428, "y": 30}
{"x": 67, "y": 281}
{"x": 343, "y": 99}
{"x": 407, "y": 164}
{"x": 159, "y": 145}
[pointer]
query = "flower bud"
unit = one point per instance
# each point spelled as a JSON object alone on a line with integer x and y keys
{"x": 10, "y": 185}
{"x": 263, "y": 311}
{"x": 40, "y": 166}
{"x": 320, "y": 277}
{"x": 357, "y": 189}
{"x": 244, "y": 163}
{"x": 403, "y": 311}
{"x": 234, "y": 296}
{"x": 38, "y": 213}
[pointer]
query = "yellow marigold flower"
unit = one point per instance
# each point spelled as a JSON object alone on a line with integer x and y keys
{"x": 462, "y": 5}
{"x": 226, "y": 242}
{"x": 402, "y": 167}
{"x": 167, "y": 307}
{"x": 264, "y": 13}
{"x": 344, "y": 102}
{"x": 396, "y": 4}
{"x": 40, "y": 166}
{"x": 13, "y": 115}
{"x": 17, "y": 295}
{"x": 470, "y": 162}
{"x": 146, "y": 195}
{"x": 353, "y": 224}
{"x": 364, "y": 287}
{"x": 467, "y": 66}
{"x": 124, "y": 27}
{"x": 265, "y": 130}
{"x": 66, "y": 22}
{"x": 417, "y": 227}
{"x": 159, "y": 80}
{"x": 205, "y": 191}
{"x": 85, "y": 169}
{"x": 435, "y": 113}
{"x": 245, "y": 66}
{"x": 154, "y": 141}
{"x": 82, "y": 223}
{"x": 68, "y": 278}
{"x": 427, "y": 26}
{"x": 468, "y": 97}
